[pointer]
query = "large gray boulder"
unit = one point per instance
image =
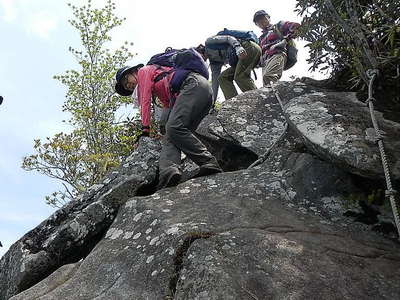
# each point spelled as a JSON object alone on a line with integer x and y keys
{"x": 338, "y": 128}
{"x": 229, "y": 236}
{"x": 253, "y": 119}
{"x": 275, "y": 231}
{"x": 72, "y": 231}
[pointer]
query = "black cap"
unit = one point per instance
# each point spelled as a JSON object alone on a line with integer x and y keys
{"x": 260, "y": 13}
{"x": 120, "y": 75}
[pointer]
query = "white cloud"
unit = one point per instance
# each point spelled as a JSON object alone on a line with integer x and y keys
{"x": 29, "y": 15}
{"x": 41, "y": 24}
{"x": 8, "y": 10}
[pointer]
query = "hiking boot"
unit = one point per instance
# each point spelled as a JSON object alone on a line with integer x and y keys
{"x": 169, "y": 177}
{"x": 208, "y": 169}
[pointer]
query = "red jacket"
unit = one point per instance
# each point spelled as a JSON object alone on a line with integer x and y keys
{"x": 147, "y": 87}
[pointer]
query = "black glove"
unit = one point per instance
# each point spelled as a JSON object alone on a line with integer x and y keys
{"x": 162, "y": 129}
{"x": 145, "y": 132}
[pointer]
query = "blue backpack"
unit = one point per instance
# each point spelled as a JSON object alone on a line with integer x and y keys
{"x": 183, "y": 62}
{"x": 240, "y": 35}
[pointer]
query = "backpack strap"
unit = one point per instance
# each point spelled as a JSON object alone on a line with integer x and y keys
{"x": 255, "y": 75}
{"x": 162, "y": 75}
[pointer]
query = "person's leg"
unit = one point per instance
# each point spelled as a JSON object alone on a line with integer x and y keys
{"x": 226, "y": 83}
{"x": 191, "y": 106}
{"x": 215, "y": 72}
{"x": 272, "y": 71}
{"x": 244, "y": 67}
{"x": 169, "y": 164}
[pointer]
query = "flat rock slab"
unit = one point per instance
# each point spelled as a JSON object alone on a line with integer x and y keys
{"x": 229, "y": 236}
{"x": 72, "y": 231}
{"x": 292, "y": 89}
{"x": 278, "y": 263}
{"x": 59, "y": 277}
{"x": 338, "y": 128}
{"x": 254, "y": 119}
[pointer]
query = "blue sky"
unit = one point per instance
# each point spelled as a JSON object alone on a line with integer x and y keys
{"x": 35, "y": 37}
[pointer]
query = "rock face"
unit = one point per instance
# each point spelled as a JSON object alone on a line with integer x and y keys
{"x": 275, "y": 231}
{"x": 338, "y": 128}
{"x": 71, "y": 232}
{"x": 253, "y": 119}
{"x": 229, "y": 236}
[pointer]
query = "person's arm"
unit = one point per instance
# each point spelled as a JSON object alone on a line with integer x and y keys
{"x": 226, "y": 39}
{"x": 215, "y": 72}
{"x": 145, "y": 86}
{"x": 287, "y": 31}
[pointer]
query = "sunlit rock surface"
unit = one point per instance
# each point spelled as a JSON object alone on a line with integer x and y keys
{"x": 338, "y": 128}
{"x": 276, "y": 231}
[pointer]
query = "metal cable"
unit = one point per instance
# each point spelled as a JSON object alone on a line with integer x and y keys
{"x": 267, "y": 153}
{"x": 390, "y": 192}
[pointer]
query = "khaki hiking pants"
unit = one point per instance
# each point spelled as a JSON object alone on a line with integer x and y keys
{"x": 241, "y": 73}
{"x": 272, "y": 71}
{"x": 191, "y": 106}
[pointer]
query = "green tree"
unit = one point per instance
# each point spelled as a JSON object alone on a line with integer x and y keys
{"x": 99, "y": 140}
{"x": 348, "y": 37}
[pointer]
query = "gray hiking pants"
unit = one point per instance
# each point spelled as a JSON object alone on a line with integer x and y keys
{"x": 191, "y": 106}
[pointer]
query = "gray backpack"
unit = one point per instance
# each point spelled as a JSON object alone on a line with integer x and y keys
{"x": 291, "y": 49}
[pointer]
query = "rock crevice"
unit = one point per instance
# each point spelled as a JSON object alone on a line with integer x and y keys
{"x": 188, "y": 239}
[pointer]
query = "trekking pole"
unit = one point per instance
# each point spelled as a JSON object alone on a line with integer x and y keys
{"x": 390, "y": 192}
{"x": 264, "y": 156}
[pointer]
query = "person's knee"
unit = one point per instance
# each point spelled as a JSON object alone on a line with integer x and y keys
{"x": 173, "y": 130}
{"x": 169, "y": 129}
{"x": 240, "y": 77}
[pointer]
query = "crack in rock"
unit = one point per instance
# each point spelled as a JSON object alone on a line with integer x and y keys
{"x": 376, "y": 256}
{"x": 180, "y": 254}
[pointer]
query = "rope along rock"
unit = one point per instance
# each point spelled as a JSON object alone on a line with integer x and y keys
{"x": 390, "y": 192}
